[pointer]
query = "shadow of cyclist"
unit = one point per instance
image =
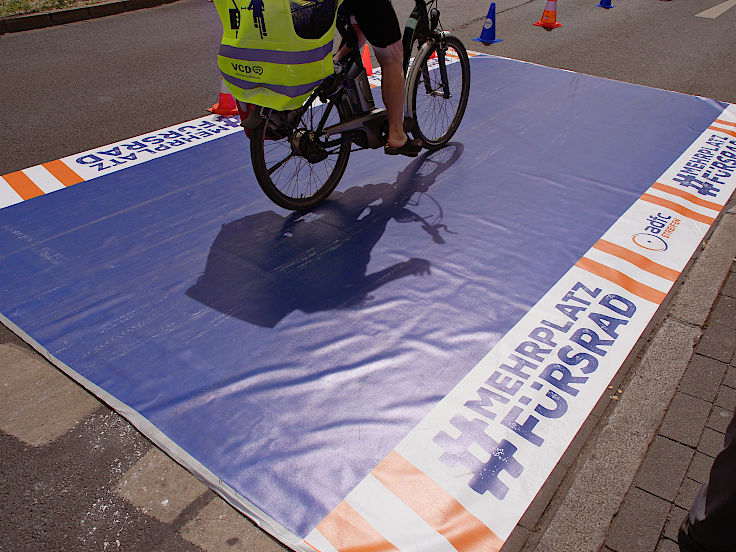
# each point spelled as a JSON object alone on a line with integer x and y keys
{"x": 264, "y": 266}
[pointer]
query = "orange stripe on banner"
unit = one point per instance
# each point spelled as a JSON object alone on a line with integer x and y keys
{"x": 23, "y": 185}
{"x": 722, "y": 122}
{"x": 348, "y": 531}
{"x": 435, "y": 505}
{"x": 636, "y": 259}
{"x": 729, "y": 132}
{"x": 690, "y": 197}
{"x": 62, "y": 173}
{"x": 621, "y": 279}
{"x": 309, "y": 545}
{"x": 677, "y": 208}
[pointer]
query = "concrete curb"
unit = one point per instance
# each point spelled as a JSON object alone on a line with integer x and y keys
{"x": 584, "y": 515}
{"x": 17, "y": 23}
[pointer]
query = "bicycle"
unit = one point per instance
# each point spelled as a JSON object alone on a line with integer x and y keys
{"x": 299, "y": 156}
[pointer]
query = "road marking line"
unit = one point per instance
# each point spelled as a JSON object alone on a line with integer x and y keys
{"x": 38, "y": 404}
{"x": 218, "y": 526}
{"x": 159, "y": 486}
{"x": 715, "y": 11}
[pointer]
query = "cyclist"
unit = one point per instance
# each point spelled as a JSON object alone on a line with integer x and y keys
{"x": 258, "y": 19}
{"x": 377, "y": 22}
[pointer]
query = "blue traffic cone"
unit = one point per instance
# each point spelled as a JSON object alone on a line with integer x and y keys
{"x": 488, "y": 33}
{"x": 605, "y": 4}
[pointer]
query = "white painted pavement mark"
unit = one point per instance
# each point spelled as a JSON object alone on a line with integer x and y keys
{"x": 37, "y": 402}
{"x": 218, "y": 526}
{"x": 159, "y": 486}
{"x": 718, "y": 9}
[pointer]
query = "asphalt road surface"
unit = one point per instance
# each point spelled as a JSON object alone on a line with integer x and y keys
{"x": 88, "y": 481}
{"x": 74, "y": 87}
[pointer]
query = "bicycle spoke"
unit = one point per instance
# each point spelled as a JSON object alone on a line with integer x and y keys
{"x": 279, "y": 164}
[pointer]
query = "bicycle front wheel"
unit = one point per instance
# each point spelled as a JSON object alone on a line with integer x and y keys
{"x": 299, "y": 168}
{"x": 438, "y": 86}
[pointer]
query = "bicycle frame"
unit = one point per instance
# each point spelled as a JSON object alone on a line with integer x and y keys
{"x": 420, "y": 27}
{"x": 368, "y": 126}
{"x": 312, "y": 144}
{"x": 367, "y": 129}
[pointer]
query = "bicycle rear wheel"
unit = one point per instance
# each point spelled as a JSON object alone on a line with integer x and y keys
{"x": 438, "y": 89}
{"x": 298, "y": 169}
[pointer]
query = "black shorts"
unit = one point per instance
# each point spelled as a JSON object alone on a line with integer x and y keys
{"x": 377, "y": 19}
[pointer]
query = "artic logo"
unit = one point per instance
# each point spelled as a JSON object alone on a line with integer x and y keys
{"x": 650, "y": 242}
{"x": 659, "y": 228}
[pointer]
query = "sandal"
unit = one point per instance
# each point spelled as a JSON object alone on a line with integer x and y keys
{"x": 411, "y": 148}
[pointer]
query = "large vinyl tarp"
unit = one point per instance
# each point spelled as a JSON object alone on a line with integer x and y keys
{"x": 434, "y": 334}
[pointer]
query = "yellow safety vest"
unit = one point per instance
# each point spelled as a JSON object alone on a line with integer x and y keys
{"x": 262, "y": 58}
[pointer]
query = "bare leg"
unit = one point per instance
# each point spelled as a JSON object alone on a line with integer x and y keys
{"x": 391, "y": 59}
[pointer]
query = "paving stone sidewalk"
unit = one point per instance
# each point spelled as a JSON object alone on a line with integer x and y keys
{"x": 634, "y": 467}
{"x": 680, "y": 456}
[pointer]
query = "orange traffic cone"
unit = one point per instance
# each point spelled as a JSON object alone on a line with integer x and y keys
{"x": 549, "y": 16}
{"x": 367, "y": 63}
{"x": 226, "y": 106}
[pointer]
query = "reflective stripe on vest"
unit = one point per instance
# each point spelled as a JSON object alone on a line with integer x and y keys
{"x": 292, "y": 91}
{"x": 255, "y": 55}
